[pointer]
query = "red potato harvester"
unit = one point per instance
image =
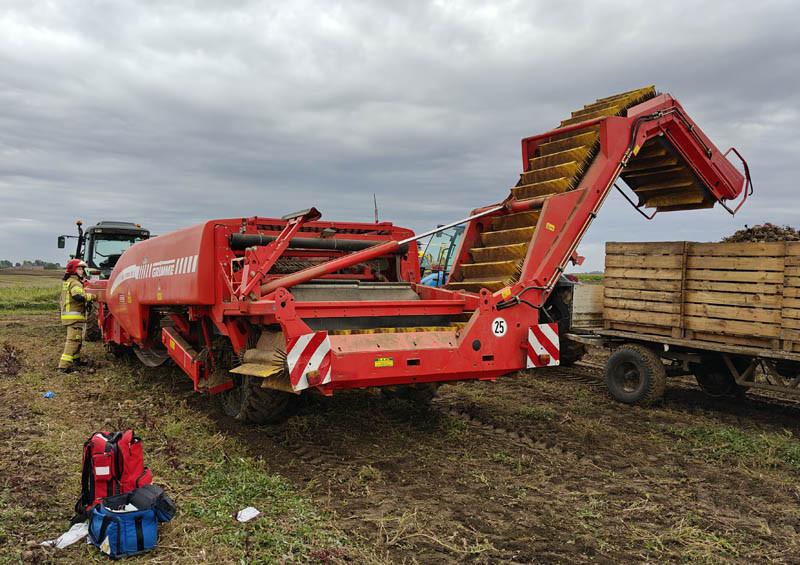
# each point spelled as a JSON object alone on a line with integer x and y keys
{"x": 261, "y": 309}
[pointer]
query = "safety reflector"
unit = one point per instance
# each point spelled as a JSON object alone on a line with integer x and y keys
{"x": 309, "y": 360}
{"x": 543, "y": 346}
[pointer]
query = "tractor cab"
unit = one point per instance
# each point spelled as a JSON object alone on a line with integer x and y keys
{"x": 437, "y": 257}
{"x": 101, "y": 245}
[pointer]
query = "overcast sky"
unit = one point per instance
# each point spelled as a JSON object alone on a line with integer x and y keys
{"x": 171, "y": 112}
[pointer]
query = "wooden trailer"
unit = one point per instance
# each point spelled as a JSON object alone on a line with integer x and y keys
{"x": 727, "y": 313}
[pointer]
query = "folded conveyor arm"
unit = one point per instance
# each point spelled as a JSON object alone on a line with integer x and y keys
{"x": 646, "y": 139}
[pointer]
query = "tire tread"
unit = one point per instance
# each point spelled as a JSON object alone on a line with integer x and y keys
{"x": 263, "y": 405}
{"x": 656, "y": 384}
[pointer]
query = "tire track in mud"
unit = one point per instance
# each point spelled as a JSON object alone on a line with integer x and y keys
{"x": 506, "y": 436}
{"x": 421, "y": 508}
{"x": 421, "y": 504}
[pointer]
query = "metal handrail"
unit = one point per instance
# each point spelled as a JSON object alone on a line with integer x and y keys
{"x": 748, "y": 186}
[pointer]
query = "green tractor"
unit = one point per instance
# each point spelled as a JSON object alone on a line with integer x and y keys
{"x": 100, "y": 247}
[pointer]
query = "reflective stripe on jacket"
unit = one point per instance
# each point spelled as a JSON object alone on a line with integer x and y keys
{"x": 73, "y": 301}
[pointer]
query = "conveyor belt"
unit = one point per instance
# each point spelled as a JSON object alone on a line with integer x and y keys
{"x": 656, "y": 174}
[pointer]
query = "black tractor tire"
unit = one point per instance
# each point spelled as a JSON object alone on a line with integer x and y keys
{"x": 635, "y": 375}
{"x": 91, "y": 329}
{"x": 715, "y": 379}
{"x": 115, "y": 352}
{"x": 419, "y": 393}
{"x": 249, "y": 402}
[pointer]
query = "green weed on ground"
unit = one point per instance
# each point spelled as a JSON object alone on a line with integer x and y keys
{"x": 289, "y": 528}
{"x": 737, "y": 446}
{"x": 538, "y": 413}
{"x": 698, "y": 544}
{"x": 590, "y": 278}
{"x": 16, "y": 298}
{"x": 209, "y": 473}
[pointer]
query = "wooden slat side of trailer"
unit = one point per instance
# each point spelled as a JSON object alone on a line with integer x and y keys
{"x": 733, "y": 293}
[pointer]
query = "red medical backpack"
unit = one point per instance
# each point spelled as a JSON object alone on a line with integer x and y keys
{"x": 113, "y": 463}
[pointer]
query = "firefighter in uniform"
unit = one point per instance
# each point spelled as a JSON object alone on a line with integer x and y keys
{"x": 73, "y": 312}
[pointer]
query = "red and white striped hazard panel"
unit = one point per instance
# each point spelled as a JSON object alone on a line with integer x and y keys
{"x": 309, "y": 360}
{"x": 543, "y": 347}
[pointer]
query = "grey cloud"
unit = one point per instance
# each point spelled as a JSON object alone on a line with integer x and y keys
{"x": 169, "y": 113}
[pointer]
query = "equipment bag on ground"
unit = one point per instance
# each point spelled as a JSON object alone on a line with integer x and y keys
{"x": 148, "y": 496}
{"x": 127, "y": 524}
{"x": 118, "y": 534}
{"x": 113, "y": 463}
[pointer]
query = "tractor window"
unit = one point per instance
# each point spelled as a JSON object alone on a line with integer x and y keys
{"x": 439, "y": 253}
{"x": 104, "y": 252}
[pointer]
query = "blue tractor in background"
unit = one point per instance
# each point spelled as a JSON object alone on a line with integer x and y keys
{"x": 438, "y": 256}
{"x": 436, "y": 261}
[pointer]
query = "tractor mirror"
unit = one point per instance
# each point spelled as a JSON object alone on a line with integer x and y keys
{"x": 61, "y": 242}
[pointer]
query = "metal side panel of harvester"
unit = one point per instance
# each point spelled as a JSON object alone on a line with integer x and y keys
{"x": 301, "y": 304}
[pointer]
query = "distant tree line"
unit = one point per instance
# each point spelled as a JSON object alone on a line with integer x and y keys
{"x": 27, "y": 264}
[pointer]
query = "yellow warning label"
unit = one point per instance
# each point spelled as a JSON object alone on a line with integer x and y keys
{"x": 384, "y": 362}
{"x": 172, "y": 344}
{"x": 636, "y": 150}
{"x": 550, "y": 227}
{"x": 506, "y": 292}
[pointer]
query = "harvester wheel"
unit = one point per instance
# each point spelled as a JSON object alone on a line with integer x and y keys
{"x": 115, "y": 351}
{"x": 151, "y": 357}
{"x": 420, "y": 393}
{"x": 635, "y": 375}
{"x": 249, "y": 402}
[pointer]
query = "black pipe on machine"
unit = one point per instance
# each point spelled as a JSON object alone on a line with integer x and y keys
{"x": 240, "y": 241}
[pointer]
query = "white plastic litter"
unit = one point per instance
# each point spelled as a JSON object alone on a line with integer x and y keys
{"x": 75, "y": 533}
{"x": 247, "y": 514}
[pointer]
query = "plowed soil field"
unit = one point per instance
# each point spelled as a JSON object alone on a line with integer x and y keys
{"x": 537, "y": 467}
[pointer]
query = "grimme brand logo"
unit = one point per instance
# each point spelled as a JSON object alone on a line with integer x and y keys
{"x": 165, "y": 268}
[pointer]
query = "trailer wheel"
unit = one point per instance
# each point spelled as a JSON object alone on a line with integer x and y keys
{"x": 788, "y": 369}
{"x": 715, "y": 379}
{"x": 635, "y": 375}
{"x": 249, "y": 402}
{"x": 420, "y": 393}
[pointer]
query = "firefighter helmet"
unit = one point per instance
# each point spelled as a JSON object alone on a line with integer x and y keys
{"x": 73, "y": 264}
